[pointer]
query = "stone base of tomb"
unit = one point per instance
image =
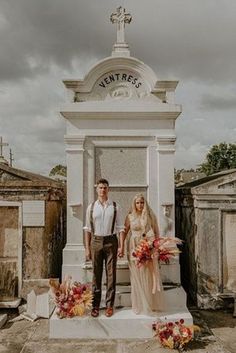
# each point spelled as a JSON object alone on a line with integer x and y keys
{"x": 124, "y": 324}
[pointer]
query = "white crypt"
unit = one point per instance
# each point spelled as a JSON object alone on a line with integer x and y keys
{"x": 120, "y": 125}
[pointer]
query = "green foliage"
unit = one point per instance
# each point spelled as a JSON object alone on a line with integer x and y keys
{"x": 220, "y": 157}
{"x": 58, "y": 170}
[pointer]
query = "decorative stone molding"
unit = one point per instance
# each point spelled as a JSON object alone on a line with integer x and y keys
{"x": 108, "y": 65}
{"x": 115, "y": 110}
{"x": 168, "y": 222}
{"x": 130, "y": 141}
{"x": 74, "y": 207}
{"x": 75, "y": 143}
{"x": 166, "y": 144}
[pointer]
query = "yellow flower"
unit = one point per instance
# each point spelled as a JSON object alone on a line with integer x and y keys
{"x": 78, "y": 310}
{"x": 169, "y": 343}
{"x": 87, "y": 298}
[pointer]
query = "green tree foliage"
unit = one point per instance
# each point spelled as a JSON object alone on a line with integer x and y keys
{"x": 220, "y": 157}
{"x": 58, "y": 170}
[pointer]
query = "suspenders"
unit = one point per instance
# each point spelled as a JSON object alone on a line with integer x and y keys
{"x": 113, "y": 221}
{"x": 114, "y": 218}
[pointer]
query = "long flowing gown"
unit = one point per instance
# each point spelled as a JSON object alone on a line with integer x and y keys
{"x": 146, "y": 291}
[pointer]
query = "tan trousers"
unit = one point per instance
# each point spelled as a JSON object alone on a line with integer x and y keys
{"x": 104, "y": 249}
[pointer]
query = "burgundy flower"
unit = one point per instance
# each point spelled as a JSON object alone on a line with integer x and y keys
{"x": 156, "y": 243}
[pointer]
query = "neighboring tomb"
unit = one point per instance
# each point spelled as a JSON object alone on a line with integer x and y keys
{"x": 32, "y": 236}
{"x": 206, "y": 220}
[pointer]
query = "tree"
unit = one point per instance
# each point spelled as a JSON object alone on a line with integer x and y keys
{"x": 58, "y": 170}
{"x": 220, "y": 157}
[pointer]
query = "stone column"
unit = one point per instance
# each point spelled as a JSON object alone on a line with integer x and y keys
{"x": 166, "y": 199}
{"x": 73, "y": 253}
{"x": 165, "y": 181}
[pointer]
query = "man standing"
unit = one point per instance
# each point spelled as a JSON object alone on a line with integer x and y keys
{"x": 103, "y": 221}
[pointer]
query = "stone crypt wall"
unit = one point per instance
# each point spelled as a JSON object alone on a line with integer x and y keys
{"x": 206, "y": 220}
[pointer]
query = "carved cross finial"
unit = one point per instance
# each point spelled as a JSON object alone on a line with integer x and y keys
{"x": 1, "y": 146}
{"x": 120, "y": 18}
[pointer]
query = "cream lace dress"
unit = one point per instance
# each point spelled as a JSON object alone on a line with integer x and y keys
{"x": 146, "y": 287}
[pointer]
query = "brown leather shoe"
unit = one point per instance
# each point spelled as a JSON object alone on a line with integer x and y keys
{"x": 109, "y": 312}
{"x": 95, "y": 312}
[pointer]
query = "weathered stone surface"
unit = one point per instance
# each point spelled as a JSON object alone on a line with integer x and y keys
{"x": 30, "y": 337}
{"x": 9, "y": 234}
{"x": 3, "y": 319}
{"x": 39, "y": 285}
{"x": 34, "y": 265}
{"x": 206, "y": 221}
{"x": 41, "y": 246}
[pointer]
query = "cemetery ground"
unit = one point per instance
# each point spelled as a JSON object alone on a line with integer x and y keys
{"x": 218, "y": 335}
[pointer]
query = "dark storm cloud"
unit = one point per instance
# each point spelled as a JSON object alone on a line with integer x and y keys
{"x": 185, "y": 38}
{"x": 45, "y": 41}
{"x": 36, "y": 34}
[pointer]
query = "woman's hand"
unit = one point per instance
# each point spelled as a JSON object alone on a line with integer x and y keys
{"x": 120, "y": 252}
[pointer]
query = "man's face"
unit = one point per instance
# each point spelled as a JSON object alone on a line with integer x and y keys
{"x": 102, "y": 190}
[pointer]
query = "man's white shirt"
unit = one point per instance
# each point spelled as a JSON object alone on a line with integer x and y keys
{"x": 103, "y": 215}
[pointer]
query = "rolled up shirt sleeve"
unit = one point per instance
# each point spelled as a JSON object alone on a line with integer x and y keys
{"x": 87, "y": 226}
{"x": 119, "y": 221}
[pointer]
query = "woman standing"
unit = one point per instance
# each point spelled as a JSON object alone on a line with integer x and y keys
{"x": 146, "y": 286}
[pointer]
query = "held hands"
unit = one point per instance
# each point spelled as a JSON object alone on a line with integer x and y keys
{"x": 120, "y": 252}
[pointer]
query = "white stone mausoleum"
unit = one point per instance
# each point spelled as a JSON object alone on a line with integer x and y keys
{"x": 120, "y": 126}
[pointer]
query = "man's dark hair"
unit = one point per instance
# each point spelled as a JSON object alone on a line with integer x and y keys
{"x": 102, "y": 181}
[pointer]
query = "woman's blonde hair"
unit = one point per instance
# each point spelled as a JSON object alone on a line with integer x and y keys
{"x": 147, "y": 216}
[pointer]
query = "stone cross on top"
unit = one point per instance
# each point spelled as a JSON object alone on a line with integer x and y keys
{"x": 120, "y": 18}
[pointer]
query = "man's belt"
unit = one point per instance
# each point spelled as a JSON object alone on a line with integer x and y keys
{"x": 104, "y": 236}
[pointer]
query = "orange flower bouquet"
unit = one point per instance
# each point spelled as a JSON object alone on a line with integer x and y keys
{"x": 174, "y": 335}
{"x": 163, "y": 248}
{"x": 71, "y": 299}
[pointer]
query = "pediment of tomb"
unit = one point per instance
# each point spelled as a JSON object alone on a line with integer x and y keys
{"x": 117, "y": 78}
{"x": 222, "y": 183}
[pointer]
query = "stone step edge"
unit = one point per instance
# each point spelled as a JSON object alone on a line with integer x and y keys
{"x": 124, "y": 324}
{"x": 125, "y": 266}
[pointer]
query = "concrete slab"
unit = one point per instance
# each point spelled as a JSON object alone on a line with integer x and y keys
{"x": 17, "y": 332}
{"x": 3, "y": 319}
{"x": 94, "y": 347}
{"x": 27, "y": 337}
{"x": 10, "y": 304}
{"x": 11, "y": 347}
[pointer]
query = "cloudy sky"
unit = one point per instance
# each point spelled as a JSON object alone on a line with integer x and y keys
{"x": 46, "y": 41}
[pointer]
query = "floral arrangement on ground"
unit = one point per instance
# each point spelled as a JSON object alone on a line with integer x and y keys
{"x": 162, "y": 248}
{"x": 71, "y": 298}
{"x": 174, "y": 335}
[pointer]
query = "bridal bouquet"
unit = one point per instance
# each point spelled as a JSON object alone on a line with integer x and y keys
{"x": 71, "y": 299}
{"x": 174, "y": 335}
{"x": 163, "y": 248}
